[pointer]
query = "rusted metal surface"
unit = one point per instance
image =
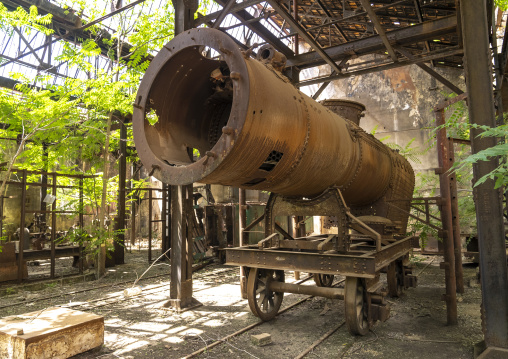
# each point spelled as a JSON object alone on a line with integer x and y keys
{"x": 242, "y": 222}
{"x": 350, "y": 110}
{"x": 446, "y": 218}
{"x": 253, "y": 129}
{"x": 333, "y": 293}
{"x": 488, "y": 201}
{"x": 459, "y": 276}
{"x": 359, "y": 264}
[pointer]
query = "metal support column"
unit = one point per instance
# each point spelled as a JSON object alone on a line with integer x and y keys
{"x": 446, "y": 218}
{"x": 22, "y": 228}
{"x": 150, "y": 214}
{"x": 478, "y": 71}
{"x": 181, "y": 249}
{"x": 242, "y": 221}
{"x": 119, "y": 244}
{"x": 53, "y": 228}
{"x": 459, "y": 276}
{"x": 44, "y": 179}
{"x": 81, "y": 223}
{"x": 181, "y": 203}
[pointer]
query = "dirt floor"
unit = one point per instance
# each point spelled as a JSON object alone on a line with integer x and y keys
{"x": 140, "y": 327}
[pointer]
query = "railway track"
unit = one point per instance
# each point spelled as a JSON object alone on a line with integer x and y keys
{"x": 282, "y": 311}
{"x": 60, "y": 295}
{"x": 112, "y": 300}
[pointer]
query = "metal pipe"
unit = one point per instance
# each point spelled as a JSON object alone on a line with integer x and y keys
{"x": 253, "y": 129}
{"x": 333, "y": 293}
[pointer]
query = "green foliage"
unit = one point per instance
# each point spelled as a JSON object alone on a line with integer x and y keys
{"x": 407, "y": 151}
{"x": 20, "y": 18}
{"x": 501, "y": 4}
{"x": 410, "y": 153}
{"x": 500, "y": 151}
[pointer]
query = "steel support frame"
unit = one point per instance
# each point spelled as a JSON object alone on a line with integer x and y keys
{"x": 431, "y": 72}
{"x": 391, "y": 65}
{"x": 182, "y": 241}
{"x": 401, "y": 37}
{"x": 260, "y": 30}
{"x": 492, "y": 250}
{"x": 301, "y": 31}
{"x": 379, "y": 29}
{"x": 363, "y": 265}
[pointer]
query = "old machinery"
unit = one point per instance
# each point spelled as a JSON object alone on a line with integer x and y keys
{"x": 208, "y": 112}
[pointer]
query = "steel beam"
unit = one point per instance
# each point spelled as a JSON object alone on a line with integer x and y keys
{"x": 214, "y": 15}
{"x": 492, "y": 248}
{"x": 260, "y": 30}
{"x": 431, "y": 72}
{"x": 401, "y": 37}
{"x": 225, "y": 12}
{"x": 379, "y": 28}
{"x": 336, "y": 26}
{"x": 392, "y": 65}
{"x": 301, "y": 31}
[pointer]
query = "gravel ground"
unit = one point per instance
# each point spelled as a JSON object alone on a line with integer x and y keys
{"x": 140, "y": 327}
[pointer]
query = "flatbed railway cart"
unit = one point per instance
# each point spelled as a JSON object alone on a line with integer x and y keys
{"x": 363, "y": 248}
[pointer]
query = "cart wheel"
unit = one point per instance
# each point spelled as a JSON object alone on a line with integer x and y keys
{"x": 394, "y": 277}
{"x": 323, "y": 280}
{"x": 356, "y": 306}
{"x": 263, "y": 302}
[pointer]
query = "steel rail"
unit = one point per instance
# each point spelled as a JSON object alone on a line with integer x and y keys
{"x": 253, "y": 325}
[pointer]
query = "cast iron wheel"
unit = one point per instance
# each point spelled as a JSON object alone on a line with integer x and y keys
{"x": 323, "y": 280}
{"x": 394, "y": 277}
{"x": 263, "y": 302}
{"x": 356, "y": 307}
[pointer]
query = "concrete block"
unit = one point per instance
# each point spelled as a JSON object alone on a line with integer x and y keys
{"x": 261, "y": 339}
{"x": 53, "y": 333}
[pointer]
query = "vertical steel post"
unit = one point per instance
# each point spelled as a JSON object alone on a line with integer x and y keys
{"x": 446, "y": 218}
{"x": 181, "y": 202}
{"x": 44, "y": 179}
{"x": 295, "y": 15}
{"x": 181, "y": 249}
{"x": 491, "y": 242}
{"x": 53, "y": 227}
{"x": 22, "y": 228}
{"x": 150, "y": 197}
{"x": 119, "y": 243}
{"x": 242, "y": 220}
{"x": 81, "y": 223}
{"x": 164, "y": 246}
{"x": 459, "y": 276}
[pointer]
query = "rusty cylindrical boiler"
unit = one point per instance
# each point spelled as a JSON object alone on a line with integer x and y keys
{"x": 253, "y": 129}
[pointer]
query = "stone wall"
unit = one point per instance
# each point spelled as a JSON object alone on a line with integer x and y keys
{"x": 398, "y": 101}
